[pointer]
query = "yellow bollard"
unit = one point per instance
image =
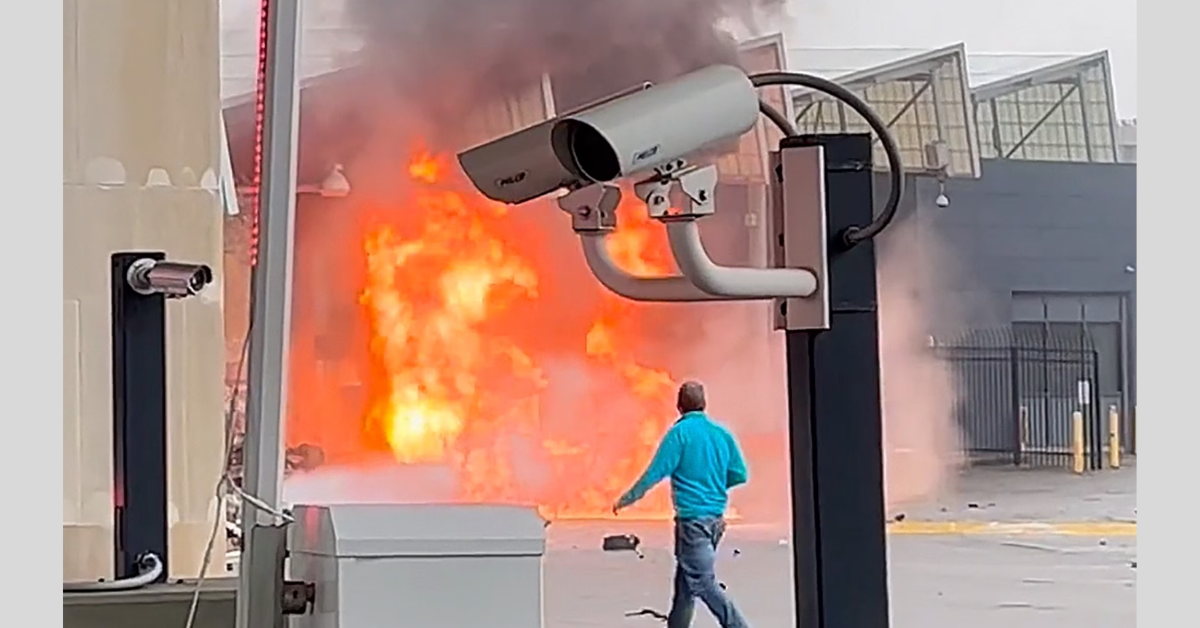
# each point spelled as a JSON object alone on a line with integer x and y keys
{"x": 1114, "y": 438}
{"x": 1077, "y": 442}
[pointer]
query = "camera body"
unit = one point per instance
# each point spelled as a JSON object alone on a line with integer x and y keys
{"x": 174, "y": 280}
{"x": 615, "y": 138}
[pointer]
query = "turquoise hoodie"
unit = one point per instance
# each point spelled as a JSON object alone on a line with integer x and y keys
{"x": 703, "y": 461}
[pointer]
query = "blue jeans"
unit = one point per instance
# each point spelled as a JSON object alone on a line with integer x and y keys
{"x": 696, "y": 543}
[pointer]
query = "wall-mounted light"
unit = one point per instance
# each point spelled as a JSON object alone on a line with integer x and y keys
{"x": 937, "y": 161}
{"x": 334, "y": 185}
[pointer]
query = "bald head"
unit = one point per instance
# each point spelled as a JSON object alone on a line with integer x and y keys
{"x": 691, "y": 397}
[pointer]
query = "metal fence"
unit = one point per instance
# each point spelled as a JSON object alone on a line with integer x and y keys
{"x": 1027, "y": 397}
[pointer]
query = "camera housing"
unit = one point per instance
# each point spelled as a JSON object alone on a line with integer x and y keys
{"x": 174, "y": 280}
{"x": 636, "y": 132}
{"x": 521, "y": 166}
{"x": 667, "y": 122}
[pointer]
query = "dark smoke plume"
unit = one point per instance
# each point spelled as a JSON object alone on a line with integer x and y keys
{"x": 472, "y": 51}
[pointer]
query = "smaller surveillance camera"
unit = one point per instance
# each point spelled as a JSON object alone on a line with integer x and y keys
{"x": 174, "y": 280}
{"x": 942, "y": 201}
{"x": 634, "y": 132}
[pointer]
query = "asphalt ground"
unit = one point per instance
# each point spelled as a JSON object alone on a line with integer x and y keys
{"x": 1002, "y": 547}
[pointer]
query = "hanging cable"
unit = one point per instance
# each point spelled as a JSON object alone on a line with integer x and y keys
{"x": 851, "y": 235}
{"x": 150, "y": 567}
{"x": 776, "y": 116}
{"x": 225, "y": 481}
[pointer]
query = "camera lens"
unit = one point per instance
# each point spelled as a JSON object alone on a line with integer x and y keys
{"x": 591, "y": 152}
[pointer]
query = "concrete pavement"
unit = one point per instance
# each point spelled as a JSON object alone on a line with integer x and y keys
{"x": 1034, "y": 495}
{"x": 1046, "y": 579}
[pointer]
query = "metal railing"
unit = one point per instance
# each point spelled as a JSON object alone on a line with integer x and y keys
{"x": 1028, "y": 399}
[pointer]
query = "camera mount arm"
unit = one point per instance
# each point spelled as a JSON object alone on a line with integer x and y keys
{"x": 729, "y": 282}
{"x": 593, "y": 217}
{"x": 674, "y": 288}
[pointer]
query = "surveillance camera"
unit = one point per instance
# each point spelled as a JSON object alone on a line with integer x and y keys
{"x": 636, "y": 132}
{"x": 171, "y": 279}
{"x": 942, "y": 201}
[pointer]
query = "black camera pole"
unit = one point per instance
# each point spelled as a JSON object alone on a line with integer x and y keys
{"x": 139, "y": 375}
{"x": 835, "y": 417}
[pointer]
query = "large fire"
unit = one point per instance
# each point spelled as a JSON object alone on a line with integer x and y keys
{"x": 455, "y": 386}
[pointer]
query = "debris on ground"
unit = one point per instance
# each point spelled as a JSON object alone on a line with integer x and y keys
{"x": 623, "y": 543}
{"x": 1035, "y": 546}
{"x": 650, "y": 612}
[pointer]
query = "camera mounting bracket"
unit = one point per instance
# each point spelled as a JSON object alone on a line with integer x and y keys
{"x": 698, "y": 184}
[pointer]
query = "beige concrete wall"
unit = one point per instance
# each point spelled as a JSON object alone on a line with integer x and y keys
{"x": 140, "y": 158}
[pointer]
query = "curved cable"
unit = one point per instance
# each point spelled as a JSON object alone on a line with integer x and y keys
{"x": 225, "y": 482}
{"x": 151, "y": 568}
{"x": 776, "y": 116}
{"x": 852, "y": 235}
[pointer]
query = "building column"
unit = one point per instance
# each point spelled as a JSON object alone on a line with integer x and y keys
{"x": 141, "y": 96}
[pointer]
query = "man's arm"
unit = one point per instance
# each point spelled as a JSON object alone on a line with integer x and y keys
{"x": 665, "y": 460}
{"x": 736, "y": 475}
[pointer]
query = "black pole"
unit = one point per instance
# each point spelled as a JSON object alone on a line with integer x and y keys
{"x": 1014, "y": 389}
{"x": 835, "y": 418}
{"x": 139, "y": 367}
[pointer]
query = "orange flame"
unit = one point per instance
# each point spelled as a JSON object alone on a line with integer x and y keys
{"x": 456, "y": 389}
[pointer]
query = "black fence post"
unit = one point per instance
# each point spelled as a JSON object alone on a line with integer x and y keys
{"x": 1099, "y": 415}
{"x": 1014, "y": 375}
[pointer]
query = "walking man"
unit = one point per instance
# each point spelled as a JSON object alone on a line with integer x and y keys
{"x": 703, "y": 461}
